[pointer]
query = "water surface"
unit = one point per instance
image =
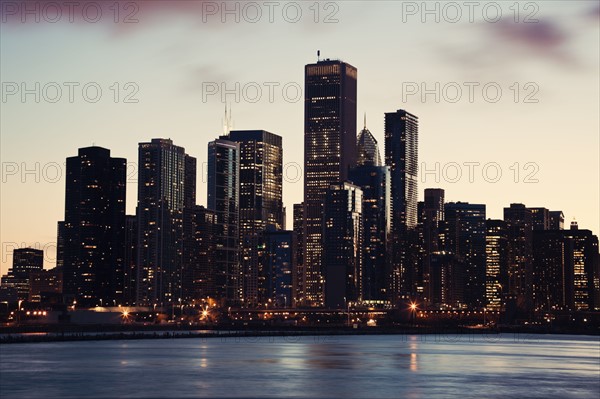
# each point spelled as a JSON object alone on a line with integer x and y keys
{"x": 421, "y": 366}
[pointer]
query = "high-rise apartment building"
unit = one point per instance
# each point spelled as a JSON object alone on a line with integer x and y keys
{"x": 224, "y": 201}
{"x": 260, "y": 194}
{"x": 401, "y": 155}
{"x": 166, "y": 184}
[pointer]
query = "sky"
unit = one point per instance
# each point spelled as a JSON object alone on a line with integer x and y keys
{"x": 507, "y": 94}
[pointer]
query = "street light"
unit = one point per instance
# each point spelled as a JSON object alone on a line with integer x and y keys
{"x": 413, "y": 311}
{"x": 19, "y": 311}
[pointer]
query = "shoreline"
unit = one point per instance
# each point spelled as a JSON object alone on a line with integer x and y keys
{"x": 109, "y": 333}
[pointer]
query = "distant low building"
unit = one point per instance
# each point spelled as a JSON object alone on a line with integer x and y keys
{"x": 45, "y": 283}
{"x": 25, "y": 261}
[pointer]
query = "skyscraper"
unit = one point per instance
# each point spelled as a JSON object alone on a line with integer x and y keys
{"x": 166, "y": 183}
{"x": 94, "y": 228}
{"x": 367, "y": 148}
{"x": 130, "y": 273}
{"x": 582, "y": 258}
{"x": 329, "y": 153}
{"x": 342, "y": 245}
{"x": 552, "y": 274}
{"x": 432, "y": 216}
{"x": 224, "y": 201}
{"x": 261, "y": 191}
{"x": 466, "y": 239}
{"x": 401, "y": 155}
{"x": 496, "y": 260}
{"x": 298, "y": 282}
{"x": 278, "y": 259}
{"x": 565, "y": 270}
{"x": 374, "y": 181}
{"x": 60, "y": 245}
{"x": 199, "y": 253}
{"x": 25, "y": 262}
{"x": 520, "y": 230}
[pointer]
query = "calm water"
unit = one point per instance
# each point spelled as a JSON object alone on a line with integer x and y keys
{"x": 350, "y": 366}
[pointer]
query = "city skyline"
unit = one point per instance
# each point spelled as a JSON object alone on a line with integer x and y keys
{"x": 473, "y": 131}
{"x": 324, "y": 198}
{"x": 51, "y": 246}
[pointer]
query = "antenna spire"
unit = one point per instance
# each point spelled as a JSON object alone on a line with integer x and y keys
{"x": 227, "y": 121}
{"x": 365, "y": 121}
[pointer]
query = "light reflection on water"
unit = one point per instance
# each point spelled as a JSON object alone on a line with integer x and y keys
{"x": 344, "y": 366}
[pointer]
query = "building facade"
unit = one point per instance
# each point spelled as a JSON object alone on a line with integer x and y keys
{"x": 94, "y": 228}
{"x": 401, "y": 155}
{"x": 224, "y": 201}
{"x": 166, "y": 183}
{"x": 374, "y": 181}
{"x": 496, "y": 261}
{"x": 261, "y": 204}
{"x": 25, "y": 262}
{"x": 329, "y": 153}
{"x": 343, "y": 245}
{"x": 466, "y": 238}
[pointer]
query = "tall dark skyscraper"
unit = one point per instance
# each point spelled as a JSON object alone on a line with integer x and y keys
{"x": 298, "y": 282}
{"x": 583, "y": 259}
{"x": 94, "y": 228}
{"x": 520, "y": 230}
{"x": 25, "y": 262}
{"x": 552, "y": 274}
{"x": 401, "y": 155}
{"x": 432, "y": 216}
{"x": 329, "y": 153}
{"x": 374, "y": 182}
{"x": 466, "y": 225}
{"x": 261, "y": 191}
{"x": 496, "y": 258}
{"x": 278, "y": 260}
{"x": 343, "y": 245}
{"x": 166, "y": 184}
{"x": 130, "y": 259}
{"x": 199, "y": 253}
{"x": 60, "y": 244}
{"x": 224, "y": 201}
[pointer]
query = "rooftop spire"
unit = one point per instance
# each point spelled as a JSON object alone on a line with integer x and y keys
{"x": 227, "y": 123}
{"x": 365, "y": 121}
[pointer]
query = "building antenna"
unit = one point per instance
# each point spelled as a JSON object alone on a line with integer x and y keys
{"x": 318, "y": 55}
{"x": 365, "y": 121}
{"x": 227, "y": 121}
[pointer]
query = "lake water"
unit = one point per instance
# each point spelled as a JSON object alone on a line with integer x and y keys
{"x": 391, "y": 366}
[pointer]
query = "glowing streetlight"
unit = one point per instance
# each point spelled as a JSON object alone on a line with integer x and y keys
{"x": 125, "y": 315}
{"x": 19, "y": 311}
{"x": 413, "y": 311}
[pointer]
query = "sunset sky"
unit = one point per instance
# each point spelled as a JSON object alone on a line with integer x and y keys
{"x": 171, "y": 54}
